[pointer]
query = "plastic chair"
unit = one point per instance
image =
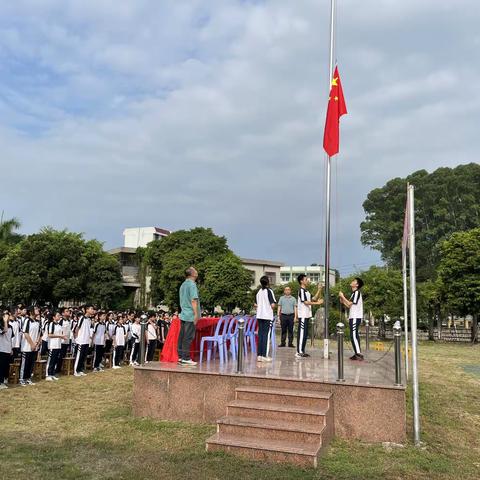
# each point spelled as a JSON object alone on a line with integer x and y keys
{"x": 231, "y": 335}
{"x": 250, "y": 334}
{"x": 215, "y": 340}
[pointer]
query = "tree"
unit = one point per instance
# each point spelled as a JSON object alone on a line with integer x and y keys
{"x": 227, "y": 283}
{"x": 459, "y": 272}
{"x": 446, "y": 201}
{"x": 168, "y": 258}
{"x": 52, "y": 266}
{"x": 8, "y": 235}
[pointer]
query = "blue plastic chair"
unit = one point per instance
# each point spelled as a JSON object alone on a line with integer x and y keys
{"x": 250, "y": 335}
{"x": 214, "y": 341}
{"x": 231, "y": 335}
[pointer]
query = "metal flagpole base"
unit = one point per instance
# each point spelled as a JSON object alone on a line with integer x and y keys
{"x": 326, "y": 354}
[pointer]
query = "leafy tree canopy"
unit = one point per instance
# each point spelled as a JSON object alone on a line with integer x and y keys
{"x": 459, "y": 271}
{"x": 52, "y": 266}
{"x": 446, "y": 201}
{"x": 222, "y": 278}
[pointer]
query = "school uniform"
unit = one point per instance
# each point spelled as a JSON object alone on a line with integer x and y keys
{"x": 152, "y": 341}
{"x": 66, "y": 331}
{"x": 54, "y": 347}
{"x": 33, "y": 328}
{"x": 136, "y": 331}
{"x": 118, "y": 352}
{"x": 44, "y": 347}
{"x": 264, "y": 299}
{"x": 99, "y": 331}
{"x": 5, "y": 352}
{"x": 355, "y": 316}
{"x": 83, "y": 343}
{"x": 16, "y": 336}
{"x": 110, "y": 327}
{"x": 304, "y": 315}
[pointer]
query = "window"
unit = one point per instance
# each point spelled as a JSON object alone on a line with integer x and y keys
{"x": 285, "y": 277}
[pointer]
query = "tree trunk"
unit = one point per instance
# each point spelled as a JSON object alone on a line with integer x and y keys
{"x": 475, "y": 328}
{"x": 431, "y": 320}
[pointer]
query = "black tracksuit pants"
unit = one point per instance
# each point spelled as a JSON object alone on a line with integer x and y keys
{"x": 118, "y": 355}
{"x": 4, "y": 366}
{"x": 98, "y": 355}
{"x": 152, "y": 344}
{"x": 135, "y": 352}
{"x": 286, "y": 322}
{"x": 27, "y": 364}
{"x": 63, "y": 354}
{"x": 52, "y": 362}
{"x": 82, "y": 352}
{"x": 302, "y": 334}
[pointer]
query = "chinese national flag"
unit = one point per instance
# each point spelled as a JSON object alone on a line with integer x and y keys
{"x": 336, "y": 108}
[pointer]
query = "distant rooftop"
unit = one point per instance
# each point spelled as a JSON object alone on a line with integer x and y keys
{"x": 256, "y": 261}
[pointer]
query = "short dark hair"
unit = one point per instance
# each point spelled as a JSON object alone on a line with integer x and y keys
{"x": 359, "y": 282}
{"x": 264, "y": 281}
{"x": 301, "y": 277}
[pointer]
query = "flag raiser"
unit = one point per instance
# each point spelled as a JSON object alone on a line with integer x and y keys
{"x": 336, "y": 108}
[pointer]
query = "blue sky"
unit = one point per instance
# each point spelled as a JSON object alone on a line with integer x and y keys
{"x": 185, "y": 113}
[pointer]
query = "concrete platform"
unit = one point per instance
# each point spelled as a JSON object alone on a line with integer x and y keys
{"x": 367, "y": 406}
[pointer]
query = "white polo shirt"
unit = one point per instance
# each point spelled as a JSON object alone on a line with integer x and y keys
{"x": 32, "y": 327}
{"x": 265, "y": 298}
{"x": 83, "y": 334}
{"x": 304, "y": 311}
{"x": 120, "y": 335}
{"x": 54, "y": 329}
{"x": 356, "y": 310}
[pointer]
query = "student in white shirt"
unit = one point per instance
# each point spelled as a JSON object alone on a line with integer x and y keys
{"x": 5, "y": 348}
{"x": 83, "y": 339}
{"x": 355, "y": 315}
{"x": 32, "y": 335}
{"x": 304, "y": 309}
{"x": 119, "y": 340}
{"x": 99, "y": 335}
{"x": 265, "y": 302}
{"x": 54, "y": 338}
{"x": 151, "y": 337}
{"x": 135, "y": 330}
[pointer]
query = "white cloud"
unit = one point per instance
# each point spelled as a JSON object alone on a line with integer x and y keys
{"x": 211, "y": 113}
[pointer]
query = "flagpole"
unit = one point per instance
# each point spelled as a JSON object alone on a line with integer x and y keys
{"x": 413, "y": 315}
{"x": 405, "y": 291}
{"x": 328, "y": 196}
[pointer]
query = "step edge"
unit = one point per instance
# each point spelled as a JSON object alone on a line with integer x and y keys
{"x": 230, "y": 442}
{"x": 287, "y": 392}
{"x": 243, "y": 422}
{"x": 277, "y": 407}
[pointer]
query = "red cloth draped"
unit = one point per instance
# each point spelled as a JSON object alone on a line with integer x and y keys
{"x": 204, "y": 327}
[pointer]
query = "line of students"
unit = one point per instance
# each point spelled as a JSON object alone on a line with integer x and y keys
{"x": 31, "y": 334}
{"x": 291, "y": 309}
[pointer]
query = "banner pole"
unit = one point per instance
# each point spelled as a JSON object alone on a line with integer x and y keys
{"x": 413, "y": 315}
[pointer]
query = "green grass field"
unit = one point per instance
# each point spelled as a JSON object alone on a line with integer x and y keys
{"x": 82, "y": 428}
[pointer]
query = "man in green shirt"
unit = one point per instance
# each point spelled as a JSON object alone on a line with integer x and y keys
{"x": 287, "y": 312}
{"x": 189, "y": 315}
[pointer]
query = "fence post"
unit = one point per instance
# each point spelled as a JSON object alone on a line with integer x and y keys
{"x": 143, "y": 323}
{"x": 397, "y": 335}
{"x": 340, "y": 335}
{"x": 241, "y": 335}
{"x": 367, "y": 335}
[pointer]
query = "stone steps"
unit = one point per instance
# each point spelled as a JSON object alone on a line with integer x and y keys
{"x": 277, "y": 425}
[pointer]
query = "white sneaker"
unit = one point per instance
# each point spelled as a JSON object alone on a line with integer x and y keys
{"x": 83, "y": 374}
{"x": 49, "y": 379}
{"x": 189, "y": 362}
{"x": 260, "y": 359}
{"x": 298, "y": 355}
{"x": 267, "y": 359}
{"x": 77, "y": 374}
{"x": 29, "y": 382}
{"x": 115, "y": 367}
{"x": 55, "y": 378}
{"x": 136, "y": 364}
{"x": 3, "y": 386}
{"x": 22, "y": 383}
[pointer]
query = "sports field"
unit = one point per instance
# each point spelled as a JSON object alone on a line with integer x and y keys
{"x": 82, "y": 428}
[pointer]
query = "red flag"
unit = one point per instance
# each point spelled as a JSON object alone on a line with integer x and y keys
{"x": 336, "y": 108}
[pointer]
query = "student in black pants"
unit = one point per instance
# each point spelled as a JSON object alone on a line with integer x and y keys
{"x": 30, "y": 342}
{"x": 54, "y": 338}
{"x": 119, "y": 339}
{"x": 265, "y": 303}
{"x": 152, "y": 335}
{"x": 6, "y": 333}
{"x": 83, "y": 339}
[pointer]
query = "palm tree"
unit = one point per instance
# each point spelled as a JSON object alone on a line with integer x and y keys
{"x": 7, "y": 230}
